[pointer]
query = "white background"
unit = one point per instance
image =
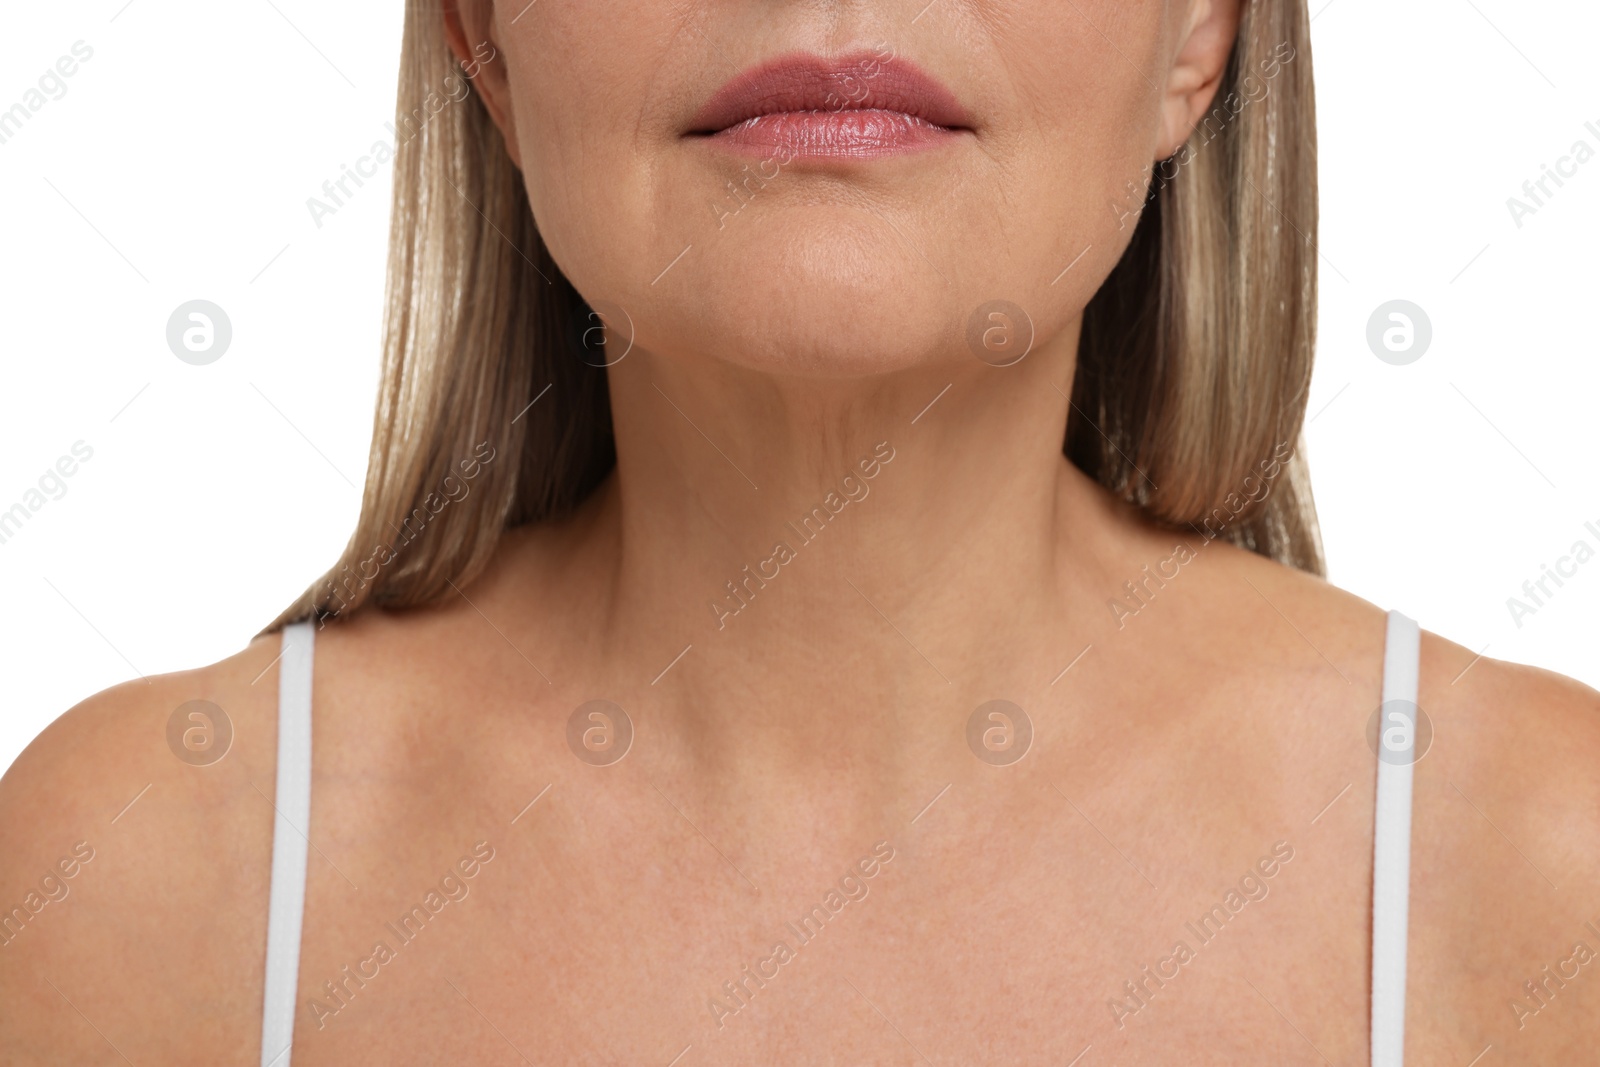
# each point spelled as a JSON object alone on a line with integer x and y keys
{"x": 178, "y": 163}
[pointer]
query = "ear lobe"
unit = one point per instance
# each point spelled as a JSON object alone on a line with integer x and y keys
{"x": 468, "y": 28}
{"x": 1197, "y": 70}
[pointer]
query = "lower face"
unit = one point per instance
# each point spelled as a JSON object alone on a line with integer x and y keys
{"x": 834, "y": 190}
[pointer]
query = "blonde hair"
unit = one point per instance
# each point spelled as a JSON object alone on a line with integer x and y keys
{"x": 1193, "y": 362}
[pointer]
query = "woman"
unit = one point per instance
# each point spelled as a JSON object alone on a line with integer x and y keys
{"x": 836, "y": 584}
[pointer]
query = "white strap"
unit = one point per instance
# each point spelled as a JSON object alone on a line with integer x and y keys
{"x": 1391, "y": 844}
{"x": 287, "y": 902}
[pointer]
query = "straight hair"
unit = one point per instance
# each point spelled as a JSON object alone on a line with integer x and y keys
{"x": 1193, "y": 366}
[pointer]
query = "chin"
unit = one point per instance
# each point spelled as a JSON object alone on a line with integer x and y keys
{"x": 818, "y": 291}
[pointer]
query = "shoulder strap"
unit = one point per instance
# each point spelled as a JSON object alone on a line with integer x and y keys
{"x": 287, "y": 900}
{"x": 1391, "y": 844}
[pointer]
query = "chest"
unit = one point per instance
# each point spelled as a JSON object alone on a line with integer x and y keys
{"x": 623, "y": 932}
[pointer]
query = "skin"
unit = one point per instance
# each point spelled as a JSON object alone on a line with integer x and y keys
{"x": 1185, "y": 742}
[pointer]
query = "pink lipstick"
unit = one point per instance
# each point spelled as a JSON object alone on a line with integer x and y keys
{"x": 862, "y": 105}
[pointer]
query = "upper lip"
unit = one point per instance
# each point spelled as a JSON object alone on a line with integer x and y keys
{"x": 854, "y": 81}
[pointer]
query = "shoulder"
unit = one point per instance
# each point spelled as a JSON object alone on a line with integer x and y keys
{"x": 120, "y": 737}
{"x": 104, "y": 751}
{"x": 1515, "y": 750}
{"x": 1518, "y": 752}
{"x": 1526, "y": 739}
{"x": 1505, "y": 821}
{"x": 1514, "y": 718}
{"x": 1251, "y": 610}
{"x": 1506, "y": 816}
{"x": 1519, "y": 747}
{"x": 137, "y": 835}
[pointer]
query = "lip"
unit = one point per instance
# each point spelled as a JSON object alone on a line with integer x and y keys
{"x": 859, "y": 105}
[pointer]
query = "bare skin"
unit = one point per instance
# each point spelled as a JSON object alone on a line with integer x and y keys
{"x": 1225, "y": 717}
{"x": 1216, "y": 732}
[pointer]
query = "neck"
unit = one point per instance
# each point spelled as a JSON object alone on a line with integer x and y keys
{"x": 870, "y": 525}
{"x": 778, "y": 560}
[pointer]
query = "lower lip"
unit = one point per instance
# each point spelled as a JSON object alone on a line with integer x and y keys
{"x": 855, "y": 134}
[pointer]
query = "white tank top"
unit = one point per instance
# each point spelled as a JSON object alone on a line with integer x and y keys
{"x": 1391, "y": 847}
